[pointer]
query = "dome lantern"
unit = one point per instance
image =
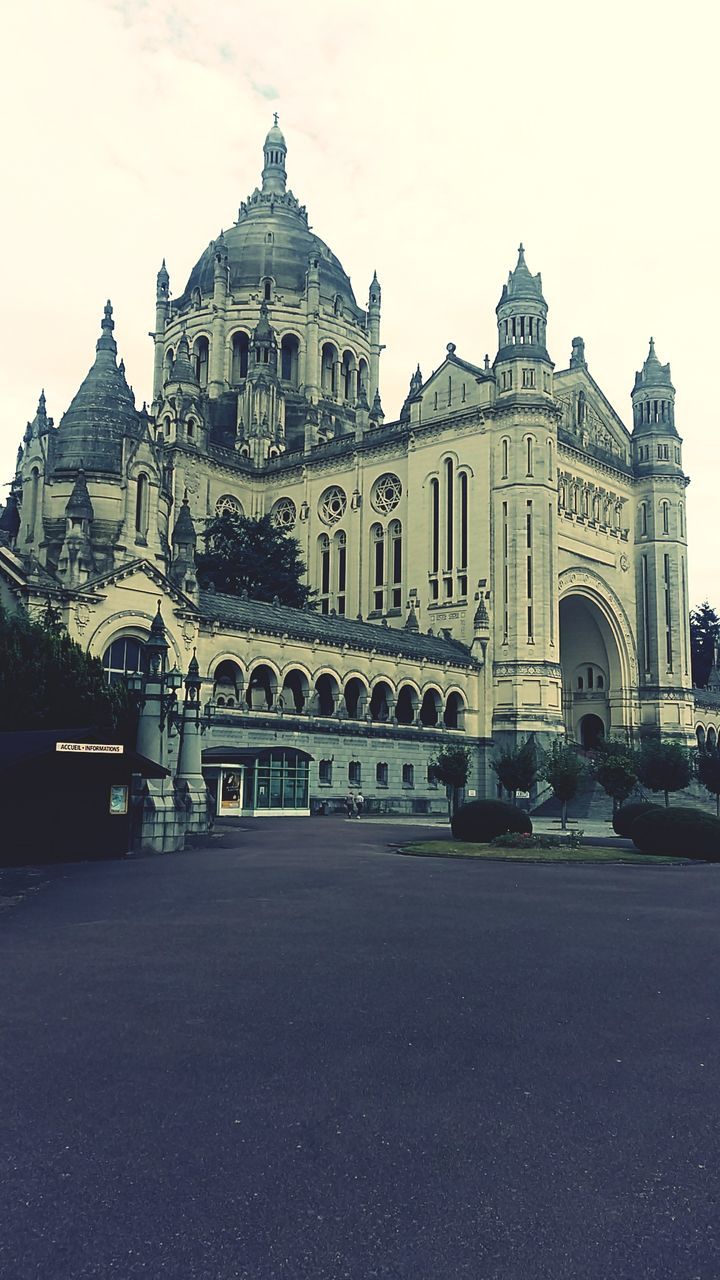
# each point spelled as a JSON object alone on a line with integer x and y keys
{"x": 274, "y": 176}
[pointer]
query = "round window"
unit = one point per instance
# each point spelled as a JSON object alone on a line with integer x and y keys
{"x": 332, "y": 505}
{"x": 386, "y": 493}
{"x": 228, "y": 504}
{"x": 284, "y": 514}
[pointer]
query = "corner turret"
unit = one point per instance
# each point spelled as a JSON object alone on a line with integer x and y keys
{"x": 522, "y": 363}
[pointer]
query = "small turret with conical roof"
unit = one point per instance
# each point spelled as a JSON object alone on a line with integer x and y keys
{"x": 414, "y": 390}
{"x": 522, "y": 320}
{"x": 184, "y": 542}
{"x": 79, "y": 506}
{"x": 101, "y": 414}
{"x": 76, "y": 562}
{"x": 656, "y": 443}
{"x": 10, "y": 520}
{"x": 182, "y": 370}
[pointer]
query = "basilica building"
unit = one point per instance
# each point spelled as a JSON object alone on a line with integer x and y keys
{"x": 504, "y": 558}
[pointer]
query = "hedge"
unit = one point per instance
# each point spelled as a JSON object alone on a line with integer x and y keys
{"x": 627, "y": 813}
{"x": 482, "y": 820}
{"x": 682, "y": 831}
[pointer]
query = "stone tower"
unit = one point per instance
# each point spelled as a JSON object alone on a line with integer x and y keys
{"x": 524, "y": 507}
{"x": 663, "y": 628}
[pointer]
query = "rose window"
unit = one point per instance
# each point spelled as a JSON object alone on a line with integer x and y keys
{"x": 332, "y": 505}
{"x": 228, "y": 504}
{"x": 386, "y": 493}
{"x": 284, "y": 514}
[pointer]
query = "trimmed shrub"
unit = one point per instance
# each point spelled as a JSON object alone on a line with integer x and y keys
{"x": 679, "y": 831}
{"x": 483, "y": 820}
{"x": 627, "y": 813}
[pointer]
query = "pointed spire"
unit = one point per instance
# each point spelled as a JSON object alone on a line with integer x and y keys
{"x": 521, "y": 282}
{"x": 79, "y": 505}
{"x": 263, "y": 329}
{"x": 157, "y": 628}
{"x": 10, "y": 520}
{"x": 411, "y": 622}
{"x": 106, "y": 342}
{"x": 184, "y": 532}
{"x": 481, "y": 621}
{"x": 376, "y": 413}
{"x": 163, "y": 277}
{"x": 182, "y": 368}
{"x": 416, "y": 381}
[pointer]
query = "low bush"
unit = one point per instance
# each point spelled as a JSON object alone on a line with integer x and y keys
{"x": 627, "y": 813}
{"x": 482, "y": 820}
{"x": 522, "y": 840}
{"x": 682, "y": 831}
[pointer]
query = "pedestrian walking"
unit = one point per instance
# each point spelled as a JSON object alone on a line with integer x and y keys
{"x": 359, "y": 804}
{"x": 350, "y": 805}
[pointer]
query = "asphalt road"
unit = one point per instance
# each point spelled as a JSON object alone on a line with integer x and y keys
{"x": 296, "y": 1055}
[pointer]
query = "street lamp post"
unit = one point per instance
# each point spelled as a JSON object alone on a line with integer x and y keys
{"x": 173, "y": 805}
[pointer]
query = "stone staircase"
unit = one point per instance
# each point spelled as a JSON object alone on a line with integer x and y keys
{"x": 591, "y": 804}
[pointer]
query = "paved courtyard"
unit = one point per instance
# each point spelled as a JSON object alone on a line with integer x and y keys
{"x": 295, "y": 1055}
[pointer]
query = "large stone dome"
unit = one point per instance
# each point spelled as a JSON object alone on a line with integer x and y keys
{"x": 271, "y": 238}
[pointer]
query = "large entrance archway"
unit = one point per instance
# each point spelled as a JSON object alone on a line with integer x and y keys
{"x": 597, "y": 655}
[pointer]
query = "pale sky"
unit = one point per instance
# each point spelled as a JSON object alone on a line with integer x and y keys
{"x": 425, "y": 140}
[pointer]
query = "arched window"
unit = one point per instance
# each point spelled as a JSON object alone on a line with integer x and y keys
{"x": 711, "y": 738}
{"x": 340, "y": 569}
{"x": 240, "y": 350}
{"x": 363, "y": 376}
{"x": 408, "y": 775}
{"x": 681, "y": 519}
{"x": 396, "y": 563}
{"x": 581, "y": 409}
{"x": 377, "y": 553}
{"x": 449, "y": 515}
{"x": 700, "y": 735}
{"x": 123, "y": 656}
{"x": 201, "y": 352}
{"x": 435, "y": 523}
{"x": 324, "y": 572}
{"x": 463, "y": 527}
{"x": 34, "y": 500}
{"x": 267, "y": 290}
{"x": 142, "y": 505}
{"x": 289, "y": 359}
{"x": 505, "y": 458}
{"x": 643, "y": 518}
{"x": 550, "y": 466}
{"x": 328, "y": 369}
{"x": 529, "y": 459}
{"x": 169, "y": 361}
{"x": 348, "y": 375}
{"x": 665, "y": 516}
{"x": 381, "y": 774}
{"x": 581, "y": 683}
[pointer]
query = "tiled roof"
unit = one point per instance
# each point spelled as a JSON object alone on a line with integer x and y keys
{"x": 328, "y": 629}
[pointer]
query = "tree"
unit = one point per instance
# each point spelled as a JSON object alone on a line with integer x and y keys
{"x": 664, "y": 766}
{"x": 48, "y": 682}
{"x": 452, "y": 767}
{"x": 563, "y": 769}
{"x": 708, "y": 772}
{"x": 704, "y": 635}
{"x": 255, "y": 556}
{"x": 516, "y": 768}
{"x": 616, "y": 769}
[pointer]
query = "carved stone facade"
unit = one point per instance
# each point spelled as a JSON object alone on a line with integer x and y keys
{"x": 507, "y": 516}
